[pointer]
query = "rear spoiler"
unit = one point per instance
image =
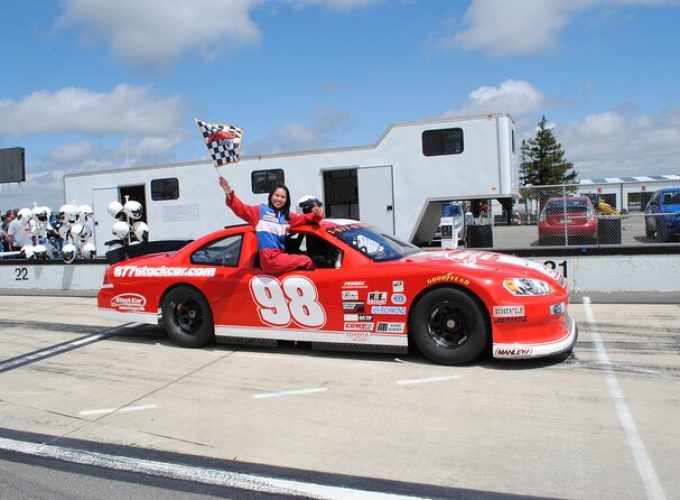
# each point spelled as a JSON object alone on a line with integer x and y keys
{"x": 143, "y": 248}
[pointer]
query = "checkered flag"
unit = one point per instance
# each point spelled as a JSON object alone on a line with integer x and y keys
{"x": 223, "y": 141}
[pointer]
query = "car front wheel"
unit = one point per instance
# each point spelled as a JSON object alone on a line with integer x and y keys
{"x": 449, "y": 326}
{"x": 187, "y": 317}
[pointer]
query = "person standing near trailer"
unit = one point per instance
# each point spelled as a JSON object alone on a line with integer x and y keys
{"x": 272, "y": 223}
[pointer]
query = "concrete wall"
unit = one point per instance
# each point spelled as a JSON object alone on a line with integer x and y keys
{"x": 591, "y": 274}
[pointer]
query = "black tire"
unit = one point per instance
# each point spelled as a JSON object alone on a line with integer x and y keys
{"x": 187, "y": 317}
{"x": 661, "y": 233}
{"x": 649, "y": 231}
{"x": 450, "y": 327}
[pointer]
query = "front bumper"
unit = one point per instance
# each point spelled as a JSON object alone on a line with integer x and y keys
{"x": 539, "y": 350}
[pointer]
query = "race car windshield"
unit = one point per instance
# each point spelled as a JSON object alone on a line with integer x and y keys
{"x": 373, "y": 243}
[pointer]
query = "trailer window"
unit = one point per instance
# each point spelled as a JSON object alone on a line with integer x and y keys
{"x": 448, "y": 141}
{"x": 164, "y": 189}
{"x": 263, "y": 180}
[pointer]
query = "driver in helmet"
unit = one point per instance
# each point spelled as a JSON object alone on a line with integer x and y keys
{"x": 272, "y": 223}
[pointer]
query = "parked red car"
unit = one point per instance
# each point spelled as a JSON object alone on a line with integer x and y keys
{"x": 572, "y": 216}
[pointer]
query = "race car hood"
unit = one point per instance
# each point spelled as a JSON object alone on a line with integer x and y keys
{"x": 476, "y": 261}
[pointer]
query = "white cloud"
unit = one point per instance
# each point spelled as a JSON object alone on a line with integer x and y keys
{"x": 613, "y": 143}
{"x": 153, "y": 33}
{"x": 516, "y": 97}
{"x": 126, "y": 109}
{"x": 71, "y": 153}
{"x": 523, "y": 27}
{"x": 298, "y": 137}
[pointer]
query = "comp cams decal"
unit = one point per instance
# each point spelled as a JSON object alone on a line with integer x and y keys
{"x": 357, "y": 326}
{"x": 163, "y": 271}
{"x": 128, "y": 302}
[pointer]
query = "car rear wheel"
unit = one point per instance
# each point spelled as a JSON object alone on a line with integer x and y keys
{"x": 649, "y": 230}
{"x": 187, "y": 317}
{"x": 662, "y": 234}
{"x": 449, "y": 326}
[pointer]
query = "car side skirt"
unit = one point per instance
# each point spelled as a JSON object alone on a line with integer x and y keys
{"x": 336, "y": 337}
{"x": 529, "y": 350}
{"x": 138, "y": 317}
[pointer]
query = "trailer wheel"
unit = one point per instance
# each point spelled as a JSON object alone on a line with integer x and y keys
{"x": 187, "y": 317}
{"x": 449, "y": 326}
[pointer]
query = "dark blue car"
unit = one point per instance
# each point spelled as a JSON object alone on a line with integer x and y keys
{"x": 662, "y": 214}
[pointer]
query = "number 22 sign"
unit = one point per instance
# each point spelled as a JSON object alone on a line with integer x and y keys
{"x": 295, "y": 298}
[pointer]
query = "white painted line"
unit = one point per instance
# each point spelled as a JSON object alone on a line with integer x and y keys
{"x": 289, "y": 393}
{"x": 124, "y": 409}
{"x": 637, "y": 446}
{"x": 251, "y": 482}
{"x": 427, "y": 380}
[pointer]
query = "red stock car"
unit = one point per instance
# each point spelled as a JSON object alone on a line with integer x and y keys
{"x": 368, "y": 289}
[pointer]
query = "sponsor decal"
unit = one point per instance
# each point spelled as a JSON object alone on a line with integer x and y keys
{"x": 358, "y": 336}
{"x": 357, "y": 326}
{"x": 398, "y": 298}
{"x": 508, "y": 311}
{"x": 388, "y": 310}
{"x": 377, "y": 298}
{"x": 128, "y": 302}
{"x": 390, "y": 327}
{"x": 448, "y": 278}
{"x": 513, "y": 352}
{"x": 511, "y": 319}
{"x": 358, "y": 317}
{"x": 163, "y": 272}
{"x": 350, "y": 294}
{"x": 354, "y": 306}
{"x": 354, "y": 284}
{"x": 557, "y": 309}
{"x": 398, "y": 286}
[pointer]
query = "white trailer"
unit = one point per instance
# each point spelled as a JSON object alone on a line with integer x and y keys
{"x": 398, "y": 183}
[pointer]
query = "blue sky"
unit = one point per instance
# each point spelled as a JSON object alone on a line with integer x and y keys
{"x": 99, "y": 84}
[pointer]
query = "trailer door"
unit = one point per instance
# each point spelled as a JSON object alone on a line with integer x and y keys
{"x": 376, "y": 196}
{"x": 103, "y": 222}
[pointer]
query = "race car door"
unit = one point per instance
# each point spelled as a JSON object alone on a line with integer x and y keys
{"x": 376, "y": 196}
{"x": 303, "y": 305}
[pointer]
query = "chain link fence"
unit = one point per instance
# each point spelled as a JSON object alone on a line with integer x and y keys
{"x": 566, "y": 216}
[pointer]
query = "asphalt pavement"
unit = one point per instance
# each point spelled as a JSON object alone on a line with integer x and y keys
{"x": 287, "y": 420}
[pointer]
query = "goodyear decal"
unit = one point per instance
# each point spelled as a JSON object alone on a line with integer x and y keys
{"x": 448, "y": 278}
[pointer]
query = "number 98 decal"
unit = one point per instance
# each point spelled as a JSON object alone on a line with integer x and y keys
{"x": 293, "y": 299}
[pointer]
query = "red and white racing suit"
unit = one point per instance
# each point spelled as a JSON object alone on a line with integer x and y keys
{"x": 271, "y": 228}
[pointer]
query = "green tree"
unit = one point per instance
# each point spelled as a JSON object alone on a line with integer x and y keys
{"x": 543, "y": 161}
